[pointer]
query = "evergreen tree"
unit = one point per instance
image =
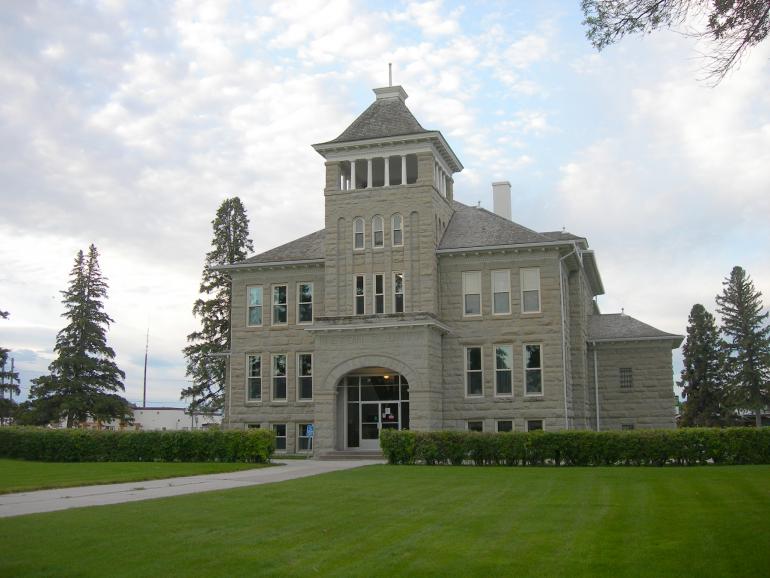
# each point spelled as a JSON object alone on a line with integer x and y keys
{"x": 83, "y": 378}
{"x": 9, "y": 383}
{"x": 703, "y": 352}
{"x": 207, "y": 350}
{"x": 747, "y": 343}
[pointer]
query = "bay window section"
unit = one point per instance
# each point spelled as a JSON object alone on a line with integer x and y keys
{"x": 305, "y": 376}
{"x": 254, "y": 306}
{"x": 533, "y": 370}
{"x": 398, "y": 292}
{"x": 503, "y": 370}
{"x": 471, "y": 293}
{"x": 254, "y": 385}
{"x": 279, "y": 377}
{"x": 305, "y": 303}
{"x": 501, "y": 292}
{"x": 280, "y": 305}
{"x": 360, "y": 294}
{"x": 530, "y": 290}
{"x": 473, "y": 372}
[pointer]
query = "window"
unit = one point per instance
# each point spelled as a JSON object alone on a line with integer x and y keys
{"x": 475, "y": 425}
{"x": 398, "y": 292}
{"x": 501, "y": 292}
{"x": 626, "y": 378}
{"x": 627, "y": 427}
{"x": 473, "y": 372}
{"x": 533, "y": 370}
{"x": 305, "y": 303}
{"x": 379, "y": 293}
{"x": 503, "y": 370}
{"x": 471, "y": 293}
{"x": 279, "y": 429}
{"x": 530, "y": 290}
{"x": 305, "y": 376}
{"x": 378, "y": 235}
{"x": 279, "y": 377}
{"x": 360, "y": 295}
{"x": 255, "y": 306}
{"x": 534, "y": 425}
{"x": 358, "y": 233}
{"x": 280, "y": 305}
{"x": 304, "y": 441}
{"x": 397, "y": 224}
{"x": 504, "y": 425}
{"x": 254, "y": 385}
{"x": 253, "y": 426}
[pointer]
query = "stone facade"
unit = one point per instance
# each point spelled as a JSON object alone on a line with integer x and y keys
{"x": 426, "y": 340}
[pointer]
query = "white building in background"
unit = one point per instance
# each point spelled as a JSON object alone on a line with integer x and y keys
{"x": 172, "y": 418}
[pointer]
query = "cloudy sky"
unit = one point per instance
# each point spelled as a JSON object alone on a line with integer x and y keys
{"x": 126, "y": 124}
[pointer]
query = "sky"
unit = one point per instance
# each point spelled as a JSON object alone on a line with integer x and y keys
{"x": 126, "y": 124}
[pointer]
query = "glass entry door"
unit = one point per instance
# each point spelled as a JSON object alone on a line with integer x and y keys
{"x": 374, "y": 403}
{"x": 374, "y": 418}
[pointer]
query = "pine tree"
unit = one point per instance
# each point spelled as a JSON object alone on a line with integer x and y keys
{"x": 207, "y": 350}
{"x": 747, "y": 343}
{"x": 9, "y": 379}
{"x": 84, "y": 379}
{"x": 703, "y": 352}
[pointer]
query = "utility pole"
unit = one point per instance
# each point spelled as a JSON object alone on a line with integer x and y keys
{"x": 146, "y": 349}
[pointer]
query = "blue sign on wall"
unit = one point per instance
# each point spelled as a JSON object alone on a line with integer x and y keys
{"x": 309, "y": 430}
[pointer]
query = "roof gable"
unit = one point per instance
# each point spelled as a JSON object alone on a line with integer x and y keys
{"x": 622, "y": 327}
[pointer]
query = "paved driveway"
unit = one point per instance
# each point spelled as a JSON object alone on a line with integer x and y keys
{"x": 63, "y": 499}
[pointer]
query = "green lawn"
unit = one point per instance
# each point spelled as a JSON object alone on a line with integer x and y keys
{"x": 21, "y": 476}
{"x": 421, "y": 521}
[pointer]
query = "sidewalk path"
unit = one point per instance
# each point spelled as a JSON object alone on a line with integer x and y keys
{"x": 65, "y": 498}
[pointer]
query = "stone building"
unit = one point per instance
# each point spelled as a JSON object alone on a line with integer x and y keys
{"x": 411, "y": 310}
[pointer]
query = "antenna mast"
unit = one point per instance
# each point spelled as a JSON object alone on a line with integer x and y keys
{"x": 390, "y": 74}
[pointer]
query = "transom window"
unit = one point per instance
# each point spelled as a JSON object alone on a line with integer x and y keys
{"x": 305, "y": 376}
{"x": 473, "y": 372}
{"x": 379, "y": 293}
{"x": 378, "y": 234}
{"x": 530, "y": 290}
{"x": 398, "y": 292}
{"x": 279, "y": 377}
{"x": 626, "y": 378}
{"x": 501, "y": 292}
{"x": 255, "y": 306}
{"x": 533, "y": 370}
{"x": 397, "y": 223}
{"x": 279, "y": 429}
{"x": 305, "y": 303}
{"x": 358, "y": 233}
{"x": 254, "y": 385}
{"x": 471, "y": 293}
{"x": 280, "y": 305}
{"x": 360, "y": 294}
{"x": 503, "y": 370}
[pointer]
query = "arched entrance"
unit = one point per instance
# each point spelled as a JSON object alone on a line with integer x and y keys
{"x": 373, "y": 399}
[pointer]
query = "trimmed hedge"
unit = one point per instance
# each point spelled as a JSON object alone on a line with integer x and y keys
{"x": 687, "y": 446}
{"x": 76, "y": 445}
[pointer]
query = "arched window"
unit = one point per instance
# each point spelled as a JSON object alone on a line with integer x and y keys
{"x": 397, "y": 226}
{"x": 358, "y": 233}
{"x": 378, "y": 239}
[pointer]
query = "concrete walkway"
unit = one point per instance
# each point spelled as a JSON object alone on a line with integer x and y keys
{"x": 65, "y": 498}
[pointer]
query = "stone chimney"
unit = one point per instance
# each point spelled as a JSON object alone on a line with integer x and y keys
{"x": 501, "y": 199}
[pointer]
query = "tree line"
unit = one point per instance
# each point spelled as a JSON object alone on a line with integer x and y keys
{"x": 726, "y": 373}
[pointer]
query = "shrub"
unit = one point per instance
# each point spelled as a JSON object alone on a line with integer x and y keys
{"x": 75, "y": 445}
{"x": 690, "y": 446}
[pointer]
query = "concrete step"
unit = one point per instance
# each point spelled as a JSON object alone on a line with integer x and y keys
{"x": 351, "y": 455}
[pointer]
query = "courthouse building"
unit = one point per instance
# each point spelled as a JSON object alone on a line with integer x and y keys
{"x": 411, "y": 310}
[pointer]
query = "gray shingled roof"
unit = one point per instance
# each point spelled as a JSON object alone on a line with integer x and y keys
{"x": 385, "y": 117}
{"x": 561, "y": 236}
{"x": 620, "y": 327}
{"x": 303, "y": 249}
{"x": 477, "y": 227}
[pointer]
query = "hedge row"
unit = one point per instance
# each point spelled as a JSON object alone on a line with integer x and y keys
{"x": 687, "y": 446}
{"x": 76, "y": 445}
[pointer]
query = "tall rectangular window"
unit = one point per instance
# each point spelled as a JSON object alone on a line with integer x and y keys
{"x": 358, "y": 233}
{"x": 305, "y": 376}
{"x": 279, "y": 377}
{"x": 503, "y": 370}
{"x": 255, "y": 306}
{"x": 378, "y": 232}
{"x": 398, "y": 230}
{"x": 473, "y": 372}
{"x": 626, "y": 377}
{"x": 530, "y": 290}
{"x": 360, "y": 294}
{"x": 255, "y": 378}
{"x": 471, "y": 293}
{"x": 398, "y": 292}
{"x": 279, "y": 429}
{"x": 305, "y": 303}
{"x": 533, "y": 370}
{"x": 379, "y": 293}
{"x": 280, "y": 305}
{"x": 304, "y": 441}
{"x": 501, "y": 292}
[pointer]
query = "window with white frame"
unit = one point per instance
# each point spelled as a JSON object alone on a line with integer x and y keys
{"x": 305, "y": 303}
{"x": 358, "y": 233}
{"x": 473, "y": 372}
{"x": 627, "y": 427}
{"x": 255, "y": 306}
{"x": 305, "y": 376}
{"x": 471, "y": 293}
{"x": 304, "y": 441}
{"x": 397, "y": 227}
{"x": 501, "y": 292}
{"x": 379, "y": 293}
{"x": 398, "y": 292}
{"x": 279, "y": 377}
{"x": 535, "y": 425}
{"x": 533, "y": 370}
{"x": 360, "y": 294}
{"x": 279, "y": 429}
{"x": 475, "y": 425}
{"x": 378, "y": 232}
{"x": 626, "y": 378}
{"x": 530, "y": 290}
{"x": 280, "y": 305}
{"x": 253, "y": 426}
{"x": 254, "y": 385}
{"x": 503, "y": 370}
{"x": 504, "y": 425}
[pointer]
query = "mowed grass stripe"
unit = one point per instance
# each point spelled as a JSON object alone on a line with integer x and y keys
{"x": 421, "y": 521}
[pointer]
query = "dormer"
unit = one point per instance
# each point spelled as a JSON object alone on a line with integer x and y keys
{"x": 386, "y": 147}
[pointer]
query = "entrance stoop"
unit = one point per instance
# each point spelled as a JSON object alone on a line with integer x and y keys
{"x": 351, "y": 455}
